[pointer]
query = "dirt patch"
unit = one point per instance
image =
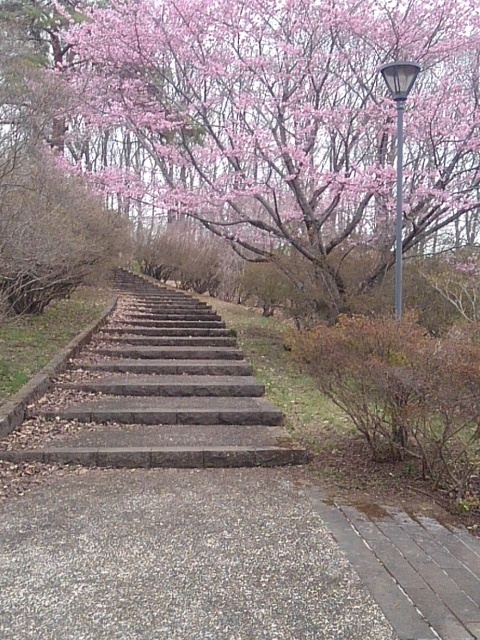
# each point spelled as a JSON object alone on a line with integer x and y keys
{"x": 373, "y": 511}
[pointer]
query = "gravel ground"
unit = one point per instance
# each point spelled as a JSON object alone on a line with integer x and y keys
{"x": 17, "y": 479}
{"x": 82, "y": 375}
{"x": 61, "y": 398}
{"x": 177, "y": 554}
{"x": 87, "y": 356}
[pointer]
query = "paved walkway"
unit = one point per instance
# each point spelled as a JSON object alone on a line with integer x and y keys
{"x": 165, "y": 554}
{"x": 207, "y": 553}
{"x": 423, "y": 574}
{"x": 174, "y": 554}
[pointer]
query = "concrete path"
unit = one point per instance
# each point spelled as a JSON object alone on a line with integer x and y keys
{"x": 226, "y": 553}
{"x": 229, "y": 554}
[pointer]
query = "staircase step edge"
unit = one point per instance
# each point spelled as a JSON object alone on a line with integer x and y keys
{"x": 163, "y": 457}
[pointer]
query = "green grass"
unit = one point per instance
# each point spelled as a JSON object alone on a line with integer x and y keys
{"x": 294, "y": 392}
{"x": 29, "y": 343}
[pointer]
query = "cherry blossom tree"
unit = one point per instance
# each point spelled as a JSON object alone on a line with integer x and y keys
{"x": 266, "y": 120}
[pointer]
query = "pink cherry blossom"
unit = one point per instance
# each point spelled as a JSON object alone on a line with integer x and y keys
{"x": 253, "y": 115}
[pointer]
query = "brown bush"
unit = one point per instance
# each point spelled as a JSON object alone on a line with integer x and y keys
{"x": 192, "y": 257}
{"x": 199, "y": 261}
{"x": 288, "y": 283}
{"x": 456, "y": 279}
{"x": 54, "y": 235}
{"x": 433, "y": 311}
{"x": 266, "y": 286}
{"x": 408, "y": 393}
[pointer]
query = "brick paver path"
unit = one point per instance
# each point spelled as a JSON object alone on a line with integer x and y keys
{"x": 425, "y": 575}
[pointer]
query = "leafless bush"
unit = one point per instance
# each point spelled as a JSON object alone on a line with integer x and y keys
{"x": 456, "y": 278}
{"x": 54, "y": 235}
{"x": 288, "y": 283}
{"x": 409, "y": 394}
{"x": 231, "y": 267}
{"x": 190, "y": 256}
{"x": 433, "y": 311}
{"x": 265, "y": 286}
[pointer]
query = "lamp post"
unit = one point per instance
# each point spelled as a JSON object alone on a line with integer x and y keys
{"x": 399, "y": 78}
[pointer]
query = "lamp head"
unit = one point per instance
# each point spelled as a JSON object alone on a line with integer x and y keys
{"x": 400, "y": 78}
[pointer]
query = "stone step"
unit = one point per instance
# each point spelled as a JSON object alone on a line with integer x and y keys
{"x": 171, "y": 367}
{"x": 146, "y": 410}
{"x": 168, "y": 331}
{"x": 175, "y": 310}
{"x": 175, "y": 353}
{"x": 172, "y": 386}
{"x": 178, "y": 324}
{"x": 171, "y": 435}
{"x": 174, "y": 341}
{"x": 173, "y": 295}
{"x": 208, "y": 316}
{"x": 178, "y": 393}
{"x": 166, "y": 302}
{"x": 170, "y": 307}
{"x": 164, "y": 457}
{"x": 157, "y": 300}
{"x": 149, "y": 288}
{"x": 162, "y": 292}
{"x": 144, "y": 290}
{"x": 154, "y": 291}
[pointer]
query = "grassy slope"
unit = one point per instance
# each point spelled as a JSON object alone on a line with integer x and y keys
{"x": 28, "y": 343}
{"x": 295, "y": 393}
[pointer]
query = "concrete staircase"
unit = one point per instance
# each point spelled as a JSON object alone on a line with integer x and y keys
{"x": 171, "y": 390}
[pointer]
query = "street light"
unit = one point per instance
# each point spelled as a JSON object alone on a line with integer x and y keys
{"x": 399, "y": 78}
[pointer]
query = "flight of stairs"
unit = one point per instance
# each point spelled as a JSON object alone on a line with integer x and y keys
{"x": 165, "y": 387}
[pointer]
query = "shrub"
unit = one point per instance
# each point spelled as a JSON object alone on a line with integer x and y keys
{"x": 54, "y": 236}
{"x": 457, "y": 280}
{"x": 264, "y": 285}
{"x": 289, "y": 283}
{"x": 432, "y": 310}
{"x": 192, "y": 257}
{"x": 409, "y": 394}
